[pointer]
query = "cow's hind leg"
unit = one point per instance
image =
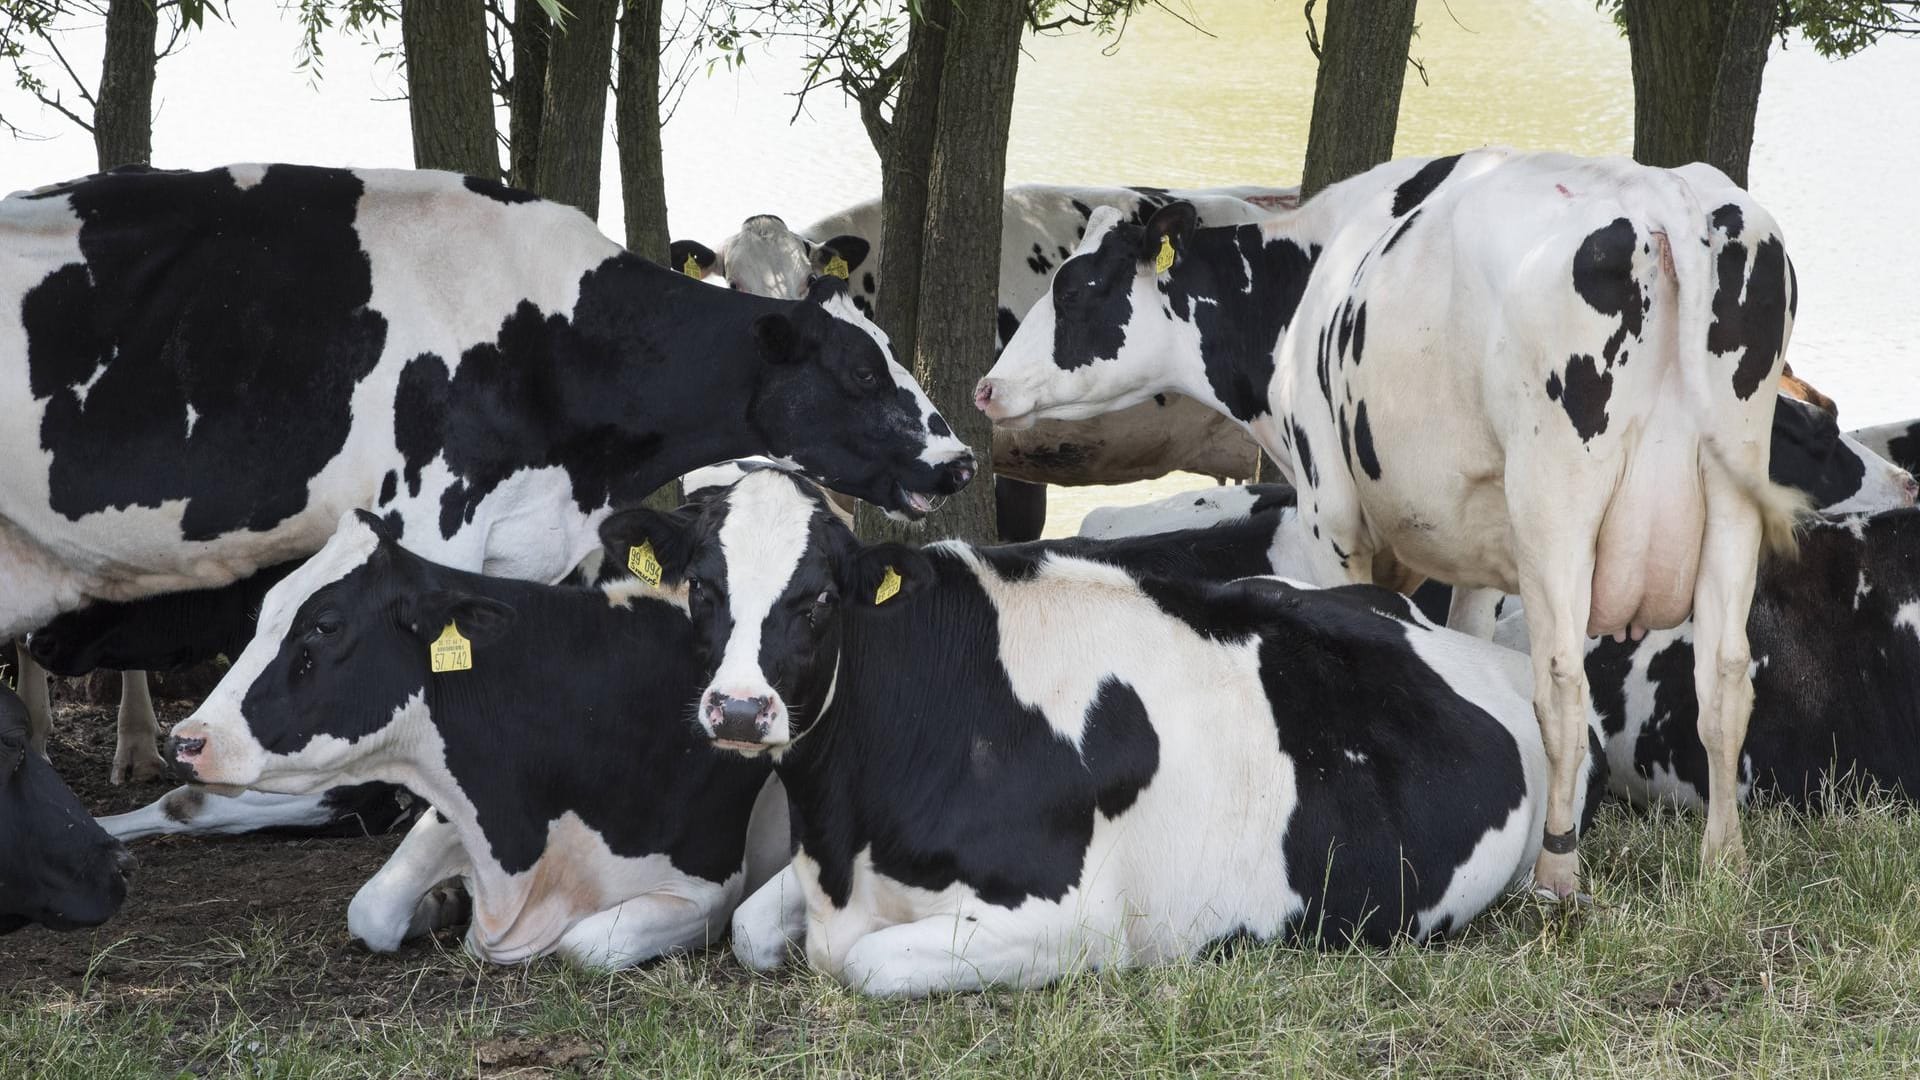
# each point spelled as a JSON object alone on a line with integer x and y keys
{"x": 642, "y": 928}
{"x": 945, "y": 952}
{"x": 135, "y": 753}
{"x": 404, "y": 900}
{"x": 1722, "y": 597}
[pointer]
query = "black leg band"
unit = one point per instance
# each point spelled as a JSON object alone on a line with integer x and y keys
{"x": 1565, "y": 843}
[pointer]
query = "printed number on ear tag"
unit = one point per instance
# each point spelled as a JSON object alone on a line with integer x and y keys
{"x": 1163, "y": 262}
{"x": 450, "y": 651}
{"x": 691, "y": 268}
{"x": 889, "y": 586}
{"x": 837, "y": 267}
{"x": 644, "y": 564}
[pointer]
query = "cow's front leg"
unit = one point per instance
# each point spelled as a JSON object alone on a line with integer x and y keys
{"x": 642, "y": 928}
{"x": 952, "y": 952}
{"x": 404, "y": 900}
{"x": 136, "y": 756}
{"x": 771, "y": 923}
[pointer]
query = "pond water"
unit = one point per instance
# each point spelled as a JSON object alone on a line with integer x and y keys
{"x": 1170, "y": 105}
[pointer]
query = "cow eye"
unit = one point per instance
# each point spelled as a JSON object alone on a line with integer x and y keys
{"x": 326, "y": 626}
{"x": 1070, "y": 295}
{"x": 866, "y": 377}
{"x": 821, "y": 608}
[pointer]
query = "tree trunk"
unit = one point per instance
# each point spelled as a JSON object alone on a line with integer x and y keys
{"x": 573, "y": 122}
{"x": 449, "y": 92}
{"x": 906, "y": 159}
{"x": 123, "y": 110}
{"x": 1697, "y": 66}
{"x": 954, "y": 334}
{"x": 643, "y": 179}
{"x": 1356, "y": 95}
{"x": 527, "y": 92}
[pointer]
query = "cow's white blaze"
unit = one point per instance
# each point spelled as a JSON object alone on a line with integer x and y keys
{"x": 939, "y": 449}
{"x": 762, "y": 541}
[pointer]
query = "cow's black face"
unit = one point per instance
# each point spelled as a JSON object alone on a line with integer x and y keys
{"x": 834, "y": 401}
{"x": 57, "y": 868}
{"x": 771, "y": 577}
{"x": 338, "y": 671}
{"x": 1842, "y": 475}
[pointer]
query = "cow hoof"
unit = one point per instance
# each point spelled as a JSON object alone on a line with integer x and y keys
{"x": 1557, "y": 876}
{"x": 1729, "y": 855}
{"x": 139, "y": 768}
{"x": 1575, "y": 901}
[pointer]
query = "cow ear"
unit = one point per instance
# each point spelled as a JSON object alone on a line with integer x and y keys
{"x": 1166, "y": 234}
{"x": 692, "y": 258}
{"x": 774, "y": 334}
{"x": 839, "y": 257}
{"x": 885, "y": 576}
{"x": 652, "y": 545}
{"x": 481, "y": 620}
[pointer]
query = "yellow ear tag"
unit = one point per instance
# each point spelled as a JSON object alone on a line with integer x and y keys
{"x": 1163, "y": 262}
{"x": 837, "y": 267}
{"x": 691, "y": 268}
{"x": 644, "y": 564}
{"x": 889, "y": 586}
{"x": 450, "y": 651}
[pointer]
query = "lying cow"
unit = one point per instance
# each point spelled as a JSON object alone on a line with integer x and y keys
{"x": 211, "y": 367}
{"x": 1089, "y": 775}
{"x": 1040, "y": 224}
{"x": 1584, "y": 425}
{"x": 57, "y": 868}
{"x": 545, "y": 724}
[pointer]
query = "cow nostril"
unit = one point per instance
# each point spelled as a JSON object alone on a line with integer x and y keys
{"x": 185, "y": 747}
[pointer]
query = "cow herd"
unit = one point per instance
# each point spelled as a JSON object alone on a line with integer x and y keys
{"x": 380, "y": 438}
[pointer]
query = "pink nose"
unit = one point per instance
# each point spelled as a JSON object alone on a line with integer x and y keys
{"x": 1909, "y": 487}
{"x": 983, "y": 395}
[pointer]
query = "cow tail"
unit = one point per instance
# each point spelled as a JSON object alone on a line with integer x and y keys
{"x": 1691, "y": 249}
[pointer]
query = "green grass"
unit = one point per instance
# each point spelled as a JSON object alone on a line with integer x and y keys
{"x": 1806, "y": 965}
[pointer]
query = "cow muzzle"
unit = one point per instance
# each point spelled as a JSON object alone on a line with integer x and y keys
{"x": 743, "y": 722}
{"x": 1004, "y": 404}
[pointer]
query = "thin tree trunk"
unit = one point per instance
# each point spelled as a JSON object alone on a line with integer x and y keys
{"x": 643, "y": 180}
{"x": 123, "y": 110}
{"x": 527, "y": 93}
{"x": 574, "y": 119}
{"x": 1356, "y": 95}
{"x": 449, "y": 92}
{"x": 1697, "y": 67}
{"x": 906, "y": 159}
{"x": 959, "y": 277}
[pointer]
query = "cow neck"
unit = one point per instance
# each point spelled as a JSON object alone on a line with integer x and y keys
{"x": 686, "y": 375}
{"x": 1239, "y": 286}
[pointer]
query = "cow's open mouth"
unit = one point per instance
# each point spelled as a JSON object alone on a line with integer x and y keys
{"x": 738, "y": 746}
{"x": 912, "y": 504}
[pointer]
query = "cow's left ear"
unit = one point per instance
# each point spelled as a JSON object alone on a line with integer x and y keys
{"x": 481, "y": 620}
{"x": 1167, "y": 232}
{"x": 692, "y": 258}
{"x": 885, "y": 576}
{"x": 652, "y": 545}
{"x": 839, "y": 257}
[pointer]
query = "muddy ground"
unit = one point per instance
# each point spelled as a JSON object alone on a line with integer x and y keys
{"x": 197, "y": 909}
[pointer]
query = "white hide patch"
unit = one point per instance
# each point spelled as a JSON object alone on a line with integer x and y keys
{"x": 762, "y": 540}
{"x": 247, "y": 176}
{"x": 1909, "y": 616}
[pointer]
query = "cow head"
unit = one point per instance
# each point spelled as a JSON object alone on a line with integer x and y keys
{"x": 834, "y": 401}
{"x": 772, "y": 576}
{"x": 766, "y": 258}
{"x": 57, "y": 868}
{"x": 1103, "y": 337}
{"x": 333, "y": 686}
{"x": 1812, "y": 454}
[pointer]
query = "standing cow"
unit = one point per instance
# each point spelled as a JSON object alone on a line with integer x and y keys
{"x": 1005, "y": 766}
{"x": 218, "y": 364}
{"x": 1040, "y": 225}
{"x": 1525, "y": 372}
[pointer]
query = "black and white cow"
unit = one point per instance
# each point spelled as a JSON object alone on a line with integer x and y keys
{"x": 1575, "y": 409}
{"x": 57, "y": 868}
{"x": 1898, "y": 442}
{"x": 547, "y": 725}
{"x": 1040, "y": 225}
{"x": 219, "y": 364}
{"x": 1097, "y": 769}
{"x": 1836, "y": 684}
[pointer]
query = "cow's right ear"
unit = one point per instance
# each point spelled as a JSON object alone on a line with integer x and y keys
{"x": 1166, "y": 234}
{"x": 692, "y": 258}
{"x": 839, "y": 257}
{"x": 885, "y": 575}
{"x": 652, "y": 545}
{"x": 481, "y": 620}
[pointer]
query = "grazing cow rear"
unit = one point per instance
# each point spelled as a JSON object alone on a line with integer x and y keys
{"x": 1006, "y": 767}
{"x": 545, "y": 724}
{"x": 1574, "y": 407}
{"x": 57, "y": 868}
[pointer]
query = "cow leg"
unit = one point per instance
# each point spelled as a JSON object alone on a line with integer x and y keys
{"x": 1722, "y": 597}
{"x": 135, "y": 756}
{"x": 1472, "y": 611}
{"x": 403, "y": 901}
{"x": 33, "y": 694}
{"x": 1019, "y": 508}
{"x": 640, "y": 929}
{"x": 943, "y": 953}
{"x": 194, "y": 811}
{"x": 771, "y": 923}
